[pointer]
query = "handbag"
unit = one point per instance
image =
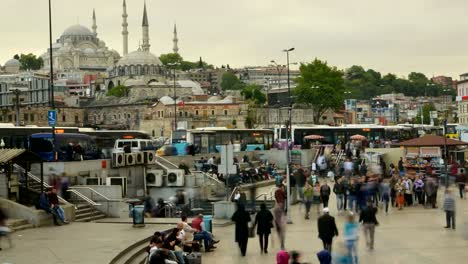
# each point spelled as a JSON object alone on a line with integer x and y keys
{"x": 251, "y": 232}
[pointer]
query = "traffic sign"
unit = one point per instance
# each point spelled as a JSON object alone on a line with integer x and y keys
{"x": 52, "y": 117}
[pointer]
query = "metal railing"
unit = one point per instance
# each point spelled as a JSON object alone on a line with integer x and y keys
{"x": 37, "y": 180}
{"x": 233, "y": 193}
{"x": 162, "y": 160}
{"x": 83, "y": 197}
{"x": 106, "y": 199}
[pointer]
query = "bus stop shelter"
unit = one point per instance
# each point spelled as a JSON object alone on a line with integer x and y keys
{"x": 20, "y": 157}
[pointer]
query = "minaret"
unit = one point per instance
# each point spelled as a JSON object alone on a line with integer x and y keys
{"x": 124, "y": 29}
{"x": 145, "y": 46}
{"x": 175, "y": 49}
{"x": 94, "y": 23}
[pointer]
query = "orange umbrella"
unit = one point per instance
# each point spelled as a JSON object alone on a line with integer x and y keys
{"x": 314, "y": 137}
{"x": 358, "y": 137}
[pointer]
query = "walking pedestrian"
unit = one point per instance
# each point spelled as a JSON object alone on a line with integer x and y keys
{"x": 300, "y": 182}
{"x": 327, "y": 229}
{"x": 354, "y": 188}
{"x": 308, "y": 199}
{"x": 264, "y": 219}
{"x": 401, "y": 168}
{"x": 393, "y": 181}
{"x": 325, "y": 193}
{"x": 4, "y": 230}
{"x": 385, "y": 191}
{"x": 241, "y": 218}
{"x": 316, "y": 199}
{"x": 369, "y": 221}
{"x": 280, "y": 224}
{"x": 461, "y": 181}
{"x": 339, "y": 191}
{"x": 351, "y": 235}
{"x": 449, "y": 208}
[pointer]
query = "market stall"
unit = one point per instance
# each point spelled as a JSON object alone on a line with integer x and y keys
{"x": 425, "y": 154}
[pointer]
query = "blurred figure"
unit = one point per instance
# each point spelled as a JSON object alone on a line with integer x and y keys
{"x": 401, "y": 167}
{"x": 316, "y": 197}
{"x": 4, "y": 230}
{"x": 385, "y": 193}
{"x": 351, "y": 229}
{"x": 308, "y": 198}
{"x": 324, "y": 257}
{"x": 280, "y": 223}
{"x": 431, "y": 192}
{"x": 327, "y": 229}
{"x": 408, "y": 191}
{"x": 282, "y": 257}
{"x": 295, "y": 257}
{"x": 461, "y": 181}
{"x": 449, "y": 208}
{"x": 241, "y": 218}
{"x": 369, "y": 221}
{"x": 264, "y": 219}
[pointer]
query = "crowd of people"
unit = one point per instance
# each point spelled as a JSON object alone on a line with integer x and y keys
{"x": 181, "y": 243}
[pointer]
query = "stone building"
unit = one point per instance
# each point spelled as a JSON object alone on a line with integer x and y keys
{"x": 37, "y": 115}
{"x": 268, "y": 117}
{"x": 215, "y": 112}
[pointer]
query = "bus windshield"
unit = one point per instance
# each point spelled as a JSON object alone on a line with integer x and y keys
{"x": 41, "y": 145}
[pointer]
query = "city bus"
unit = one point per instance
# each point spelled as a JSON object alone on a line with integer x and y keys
{"x": 331, "y": 134}
{"x": 12, "y": 136}
{"x": 210, "y": 139}
{"x": 105, "y": 139}
{"x": 42, "y": 144}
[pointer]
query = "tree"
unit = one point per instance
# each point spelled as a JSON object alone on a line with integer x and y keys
{"x": 320, "y": 86}
{"x": 229, "y": 81}
{"x": 426, "y": 110}
{"x": 253, "y": 93}
{"x": 170, "y": 58}
{"x": 29, "y": 61}
{"x": 118, "y": 91}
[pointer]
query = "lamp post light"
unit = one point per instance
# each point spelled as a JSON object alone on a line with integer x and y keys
{"x": 445, "y": 138}
{"x": 288, "y": 137}
{"x": 51, "y": 89}
{"x": 17, "y": 92}
{"x": 425, "y": 88}
{"x": 174, "y": 65}
{"x": 346, "y": 93}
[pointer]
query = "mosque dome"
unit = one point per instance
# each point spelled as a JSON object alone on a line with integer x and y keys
{"x": 12, "y": 63}
{"x": 214, "y": 99}
{"x": 88, "y": 51}
{"x": 166, "y": 100}
{"x": 12, "y": 66}
{"x": 139, "y": 57}
{"x": 77, "y": 30}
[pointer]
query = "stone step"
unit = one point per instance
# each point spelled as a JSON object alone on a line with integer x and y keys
{"x": 84, "y": 210}
{"x": 81, "y": 215}
{"x": 12, "y": 223}
{"x": 22, "y": 227}
{"x": 89, "y": 219}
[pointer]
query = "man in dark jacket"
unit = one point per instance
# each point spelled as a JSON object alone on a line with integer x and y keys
{"x": 327, "y": 229}
{"x": 339, "y": 190}
{"x": 461, "y": 181}
{"x": 369, "y": 221}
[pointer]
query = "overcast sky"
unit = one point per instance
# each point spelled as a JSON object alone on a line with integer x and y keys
{"x": 396, "y": 36}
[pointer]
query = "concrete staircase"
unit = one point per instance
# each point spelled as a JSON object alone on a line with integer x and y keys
{"x": 86, "y": 213}
{"x": 18, "y": 224}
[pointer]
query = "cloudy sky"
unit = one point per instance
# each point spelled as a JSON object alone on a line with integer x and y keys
{"x": 397, "y": 36}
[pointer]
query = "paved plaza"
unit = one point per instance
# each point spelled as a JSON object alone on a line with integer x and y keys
{"x": 413, "y": 235}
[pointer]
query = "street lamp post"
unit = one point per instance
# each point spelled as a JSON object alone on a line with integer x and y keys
{"x": 288, "y": 136}
{"x": 346, "y": 93}
{"x": 51, "y": 89}
{"x": 175, "y": 94}
{"x": 445, "y": 139}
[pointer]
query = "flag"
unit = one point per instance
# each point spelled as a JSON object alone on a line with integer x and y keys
{"x": 181, "y": 103}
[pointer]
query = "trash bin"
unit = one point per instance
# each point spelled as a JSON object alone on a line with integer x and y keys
{"x": 138, "y": 215}
{"x": 207, "y": 221}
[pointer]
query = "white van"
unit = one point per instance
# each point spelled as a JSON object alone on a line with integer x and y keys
{"x": 135, "y": 144}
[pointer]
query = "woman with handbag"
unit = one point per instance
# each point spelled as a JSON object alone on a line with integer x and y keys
{"x": 241, "y": 218}
{"x": 264, "y": 223}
